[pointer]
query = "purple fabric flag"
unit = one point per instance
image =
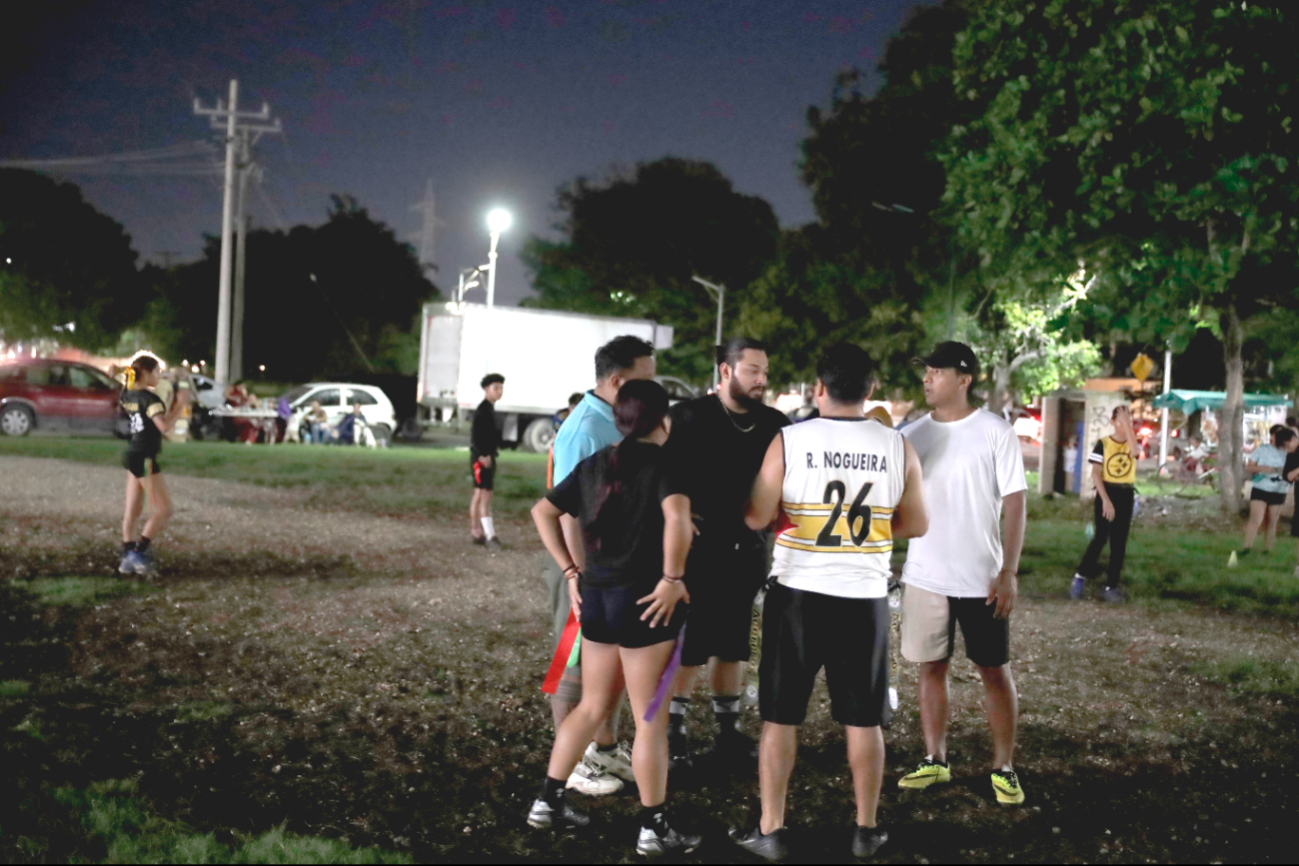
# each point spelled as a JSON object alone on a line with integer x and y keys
{"x": 669, "y": 675}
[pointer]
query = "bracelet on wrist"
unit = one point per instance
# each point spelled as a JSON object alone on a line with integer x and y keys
{"x": 571, "y": 568}
{"x": 574, "y": 576}
{"x": 670, "y": 579}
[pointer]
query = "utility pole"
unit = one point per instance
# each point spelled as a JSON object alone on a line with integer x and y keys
{"x": 227, "y": 116}
{"x": 241, "y": 265}
{"x": 428, "y": 233}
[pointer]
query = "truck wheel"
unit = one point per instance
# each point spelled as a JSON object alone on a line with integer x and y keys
{"x": 539, "y": 435}
{"x": 17, "y": 420}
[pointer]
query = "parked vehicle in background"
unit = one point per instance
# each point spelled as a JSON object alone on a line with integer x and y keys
{"x": 208, "y": 393}
{"x": 42, "y": 394}
{"x": 337, "y": 398}
{"x": 677, "y": 389}
{"x": 544, "y": 355}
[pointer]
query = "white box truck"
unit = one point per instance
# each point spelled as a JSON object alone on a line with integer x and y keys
{"x": 544, "y": 355}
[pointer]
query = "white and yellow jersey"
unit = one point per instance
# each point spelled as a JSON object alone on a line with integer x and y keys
{"x": 843, "y": 478}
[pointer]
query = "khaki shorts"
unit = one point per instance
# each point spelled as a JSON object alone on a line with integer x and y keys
{"x": 929, "y": 622}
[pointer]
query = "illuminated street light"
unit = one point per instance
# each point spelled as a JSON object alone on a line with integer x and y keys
{"x": 498, "y": 220}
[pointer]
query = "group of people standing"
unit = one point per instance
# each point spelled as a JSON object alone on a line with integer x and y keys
{"x": 657, "y": 528}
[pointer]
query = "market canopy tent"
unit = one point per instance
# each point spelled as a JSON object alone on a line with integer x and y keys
{"x": 1193, "y": 401}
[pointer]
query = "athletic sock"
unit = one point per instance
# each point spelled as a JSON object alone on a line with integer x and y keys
{"x": 931, "y": 759}
{"x": 127, "y": 547}
{"x": 552, "y": 792}
{"x": 143, "y": 546}
{"x": 727, "y": 710}
{"x": 654, "y": 818}
{"x": 488, "y": 527}
{"x": 677, "y": 716}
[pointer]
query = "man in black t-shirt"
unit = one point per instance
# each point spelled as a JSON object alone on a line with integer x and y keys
{"x": 484, "y": 446}
{"x": 717, "y": 446}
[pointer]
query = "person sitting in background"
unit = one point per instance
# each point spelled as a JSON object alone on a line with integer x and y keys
{"x": 346, "y": 430}
{"x": 237, "y": 397}
{"x": 316, "y": 420}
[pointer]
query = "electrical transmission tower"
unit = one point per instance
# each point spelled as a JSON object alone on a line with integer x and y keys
{"x": 242, "y": 131}
{"x": 427, "y": 235}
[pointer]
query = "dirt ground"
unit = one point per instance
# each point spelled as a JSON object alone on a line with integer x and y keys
{"x": 376, "y": 678}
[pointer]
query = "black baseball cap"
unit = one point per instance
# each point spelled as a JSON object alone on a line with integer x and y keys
{"x": 951, "y": 355}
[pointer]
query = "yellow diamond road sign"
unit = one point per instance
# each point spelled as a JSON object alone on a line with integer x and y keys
{"x": 1142, "y": 366}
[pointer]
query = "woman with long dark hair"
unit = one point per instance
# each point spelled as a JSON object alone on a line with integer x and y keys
{"x": 149, "y": 419}
{"x": 636, "y": 531}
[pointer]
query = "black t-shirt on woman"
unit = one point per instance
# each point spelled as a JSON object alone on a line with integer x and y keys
{"x": 630, "y": 549}
{"x": 141, "y": 407}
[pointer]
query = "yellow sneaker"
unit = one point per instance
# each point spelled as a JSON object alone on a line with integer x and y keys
{"x": 1005, "y": 784}
{"x": 929, "y": 772}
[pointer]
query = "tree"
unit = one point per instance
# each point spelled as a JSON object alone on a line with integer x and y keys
{"x": 335, "y": 300}
{"x": 868, "y": 271}
{"x": 632, "y": 243}
{"x": 1149, "y": 141}
{"x": 810, "y": 299}
{"x": 62, "y": 263}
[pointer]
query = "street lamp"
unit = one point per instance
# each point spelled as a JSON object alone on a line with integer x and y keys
{"x": 469, "y": 279}
{"x": 720, "y": 293}
{"x": 498, "y": 220}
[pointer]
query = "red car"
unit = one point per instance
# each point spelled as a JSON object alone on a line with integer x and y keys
{"x": 56, "y": 395}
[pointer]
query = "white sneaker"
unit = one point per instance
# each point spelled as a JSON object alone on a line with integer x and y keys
{"x": 615, "y": 763}
{"x": 587, "y": 779}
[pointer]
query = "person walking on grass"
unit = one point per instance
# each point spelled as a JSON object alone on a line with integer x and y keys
{"x": 1114, "y": 475}
{"x": 718, "y": 444}
{"x": 1267, "y": 497}
{"x": 963, "y": 572}
{"x": 630, "y": 600}
{"x": 589, "y": 429}
{"x": 844, "y": 487}
{"x": 148, "y": 420}
{"x": 484, "y": 448}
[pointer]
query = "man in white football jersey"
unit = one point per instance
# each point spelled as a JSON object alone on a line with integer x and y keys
{"x": 961, "y": 573}
{"x": 843, "y": 487}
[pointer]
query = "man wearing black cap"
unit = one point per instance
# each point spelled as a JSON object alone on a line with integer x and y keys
{"x": 960, "y": 572}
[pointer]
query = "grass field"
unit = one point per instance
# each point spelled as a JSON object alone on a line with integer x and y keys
{"x": 399, "y": 480}
{"x": 267, "y": 709}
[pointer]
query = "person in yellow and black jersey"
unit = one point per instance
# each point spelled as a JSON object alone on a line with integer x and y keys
{"x": 1114, "y": 473}
{"x": 149, "y": 418}
{"x": 842, "y": 488}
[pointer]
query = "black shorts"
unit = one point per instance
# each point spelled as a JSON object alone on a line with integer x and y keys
{"x": 1256, "y": 495}
{"x": 484, "y": 476}
{"x": 803, "y": 632}
{"x": 140, "y": 465}
{"x": 611, "y": 615}
{"x": 722, "y": 582}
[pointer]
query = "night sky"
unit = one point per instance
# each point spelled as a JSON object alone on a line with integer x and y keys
{"x": 498, "y": 102}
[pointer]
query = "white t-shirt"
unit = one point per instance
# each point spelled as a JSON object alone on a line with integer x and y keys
{"x": 969, "y": 466}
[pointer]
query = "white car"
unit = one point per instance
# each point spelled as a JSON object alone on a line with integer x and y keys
{"x": 336, "y": 398}
{"x": 207, "y": 392}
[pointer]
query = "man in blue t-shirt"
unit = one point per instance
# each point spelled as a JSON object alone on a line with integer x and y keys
{"x": 587, "y": 430}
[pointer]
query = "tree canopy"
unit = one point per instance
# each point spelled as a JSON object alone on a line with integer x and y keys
{"x": 62, "y": 262}
{"x": 631, "y": 244}
{"x": 338, "y": 299}
{"x": 1149, "y": 142}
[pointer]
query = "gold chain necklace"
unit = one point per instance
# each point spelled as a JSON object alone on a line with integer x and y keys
{"x": 731, "y": 418}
